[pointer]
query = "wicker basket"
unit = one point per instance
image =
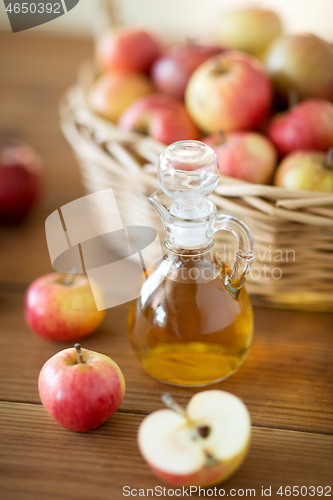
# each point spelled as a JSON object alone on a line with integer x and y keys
{"x": 293, "y": 230}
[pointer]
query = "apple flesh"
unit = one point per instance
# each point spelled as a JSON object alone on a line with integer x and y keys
{"x": 162, "y": 117}
{"x": 171, "y": 73}
{"x": 309, "y": 125}
{"x": 127, "y": 49}
{"x": 112, "y": 93}
{"x": 248, "y": 30}
{"x": 245, "y": 155}
{"x": 81, "y": 389}
{"x": 60, "y": 310}
{"x": 200, "y": 447}
{"x": 301, "y": 63}
{"x": 229, "y": 92}
{"x": 21, "y": 173}
{"x": 309, "y": 170}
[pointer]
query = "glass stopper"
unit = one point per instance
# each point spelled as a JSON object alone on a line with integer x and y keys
{"x": 187, "y": 172}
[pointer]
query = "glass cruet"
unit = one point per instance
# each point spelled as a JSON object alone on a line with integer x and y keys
{"x": 192, "y": 322}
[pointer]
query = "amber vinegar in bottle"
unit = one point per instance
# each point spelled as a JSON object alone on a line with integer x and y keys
{"x": 192, "y": 322}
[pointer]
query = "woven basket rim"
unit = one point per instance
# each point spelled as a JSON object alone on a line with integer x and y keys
{"x": 274, "y": 203}
{"x": 279, "y": 219}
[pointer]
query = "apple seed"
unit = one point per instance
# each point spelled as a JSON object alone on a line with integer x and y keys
{"x": 199, "y": 432}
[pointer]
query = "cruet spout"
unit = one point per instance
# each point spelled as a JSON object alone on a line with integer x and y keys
{"x": 160, "y": 202}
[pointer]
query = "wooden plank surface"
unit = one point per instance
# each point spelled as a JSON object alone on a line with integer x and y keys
{"x": 94, "y": 465}
{"x": 35, "y": 71}
{"x": 286, "y": 380}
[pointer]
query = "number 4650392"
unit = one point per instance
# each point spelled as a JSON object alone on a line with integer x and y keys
{"x": 304, "y": 491}
{"x": 26, "y": 7}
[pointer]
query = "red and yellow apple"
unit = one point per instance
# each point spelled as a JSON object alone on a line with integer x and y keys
{"x": 248, "y": 30}
{"x": 81, "y": 389}
{"x": 309, "y": 170}
{"x": 162, "y": 117}
{"x": 309, "y": 125}
{"x": 229, "y": 92}
{"x": 62, "y": 309}
{"x": 171, "y": 72}
{"x": 127, "y": 49}
{"x": 201, "y": 446}
{"x": 112, "y": 93}
{"x": 245, "y": 155}
{"x": 301, "y": 63}
{"x": 21, "y": 173}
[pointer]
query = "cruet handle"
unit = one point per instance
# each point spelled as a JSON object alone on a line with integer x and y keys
{"x": 244, "y": 254}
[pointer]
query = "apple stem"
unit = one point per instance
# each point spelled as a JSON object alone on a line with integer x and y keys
{"x": 199, "y": 432}
{"x": 190, "y": 40}
{"x": 171, "y": 403}
{"x": 79, "y": 353}
{"x": 329, "y": 159}
{"x": 69, "y": 279}
{"x": 293, "y": 98}
{"x": 219, "y": 69}
{"x": 222, "y": 137}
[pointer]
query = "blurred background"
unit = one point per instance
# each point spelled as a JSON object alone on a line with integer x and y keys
{"x": 39, "y": 65}
{"x": 180, "y": 18}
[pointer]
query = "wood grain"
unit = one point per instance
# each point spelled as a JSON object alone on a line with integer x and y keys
{"x": 39, "y": 456}
{"x": 286, "y": 381}
{"x": 35, "y": 72}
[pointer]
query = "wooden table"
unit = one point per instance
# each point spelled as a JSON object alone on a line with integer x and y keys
{"x": 286, "y": 381}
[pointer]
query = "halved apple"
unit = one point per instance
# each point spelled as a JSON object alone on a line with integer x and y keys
{"x": 201, "y": 446}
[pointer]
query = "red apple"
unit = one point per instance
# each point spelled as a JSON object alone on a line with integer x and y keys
{"x": 127, "y": 49}
{"x": 309, "y": 170}
{"x": 228, "y": 92}
{"x": 308, "y": 125}
{"x": 21, "y": 172}
{"x": 201, "y": 446}
{"x": 62, "y": 309}
{"x": 162, "y": 117}
{"x": 171, "y": 72}
{"x": 248, "y": 30}
{"x": 81, "y": 389}
{"x": 245, "y": 155}
{"x": 112, "y": 93}
{"x": 302, "y": 63}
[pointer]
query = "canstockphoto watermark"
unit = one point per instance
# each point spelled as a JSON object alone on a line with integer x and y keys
{"x": 25, "y": 15}
{"x": 88, "y": 235}
{"x": 183, "y": 492}
{"x": 263, "y": 491}
{"x": 268, "y": 262}
{"x": 264, "y": 255}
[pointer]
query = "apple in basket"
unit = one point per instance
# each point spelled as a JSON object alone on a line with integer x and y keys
{"x": 309, "y": 170}
{"x": 248, "y": 30}
{"x": 112, "y": 93}
{"x": 21, "y": 173}
{"x": 201, "y": 446}
{"x": 228, "y": 92}
{"x": 62, "y": 308}
{"x": 127, "y": 49}
{"x": 309, "y": 125}
{"x": 162, "y": 117}
{"x": 301, "y": 63}
{"x": 171, "y": 72}
{"x": 81, "y": 389}
{"x": 249, "y": 156}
